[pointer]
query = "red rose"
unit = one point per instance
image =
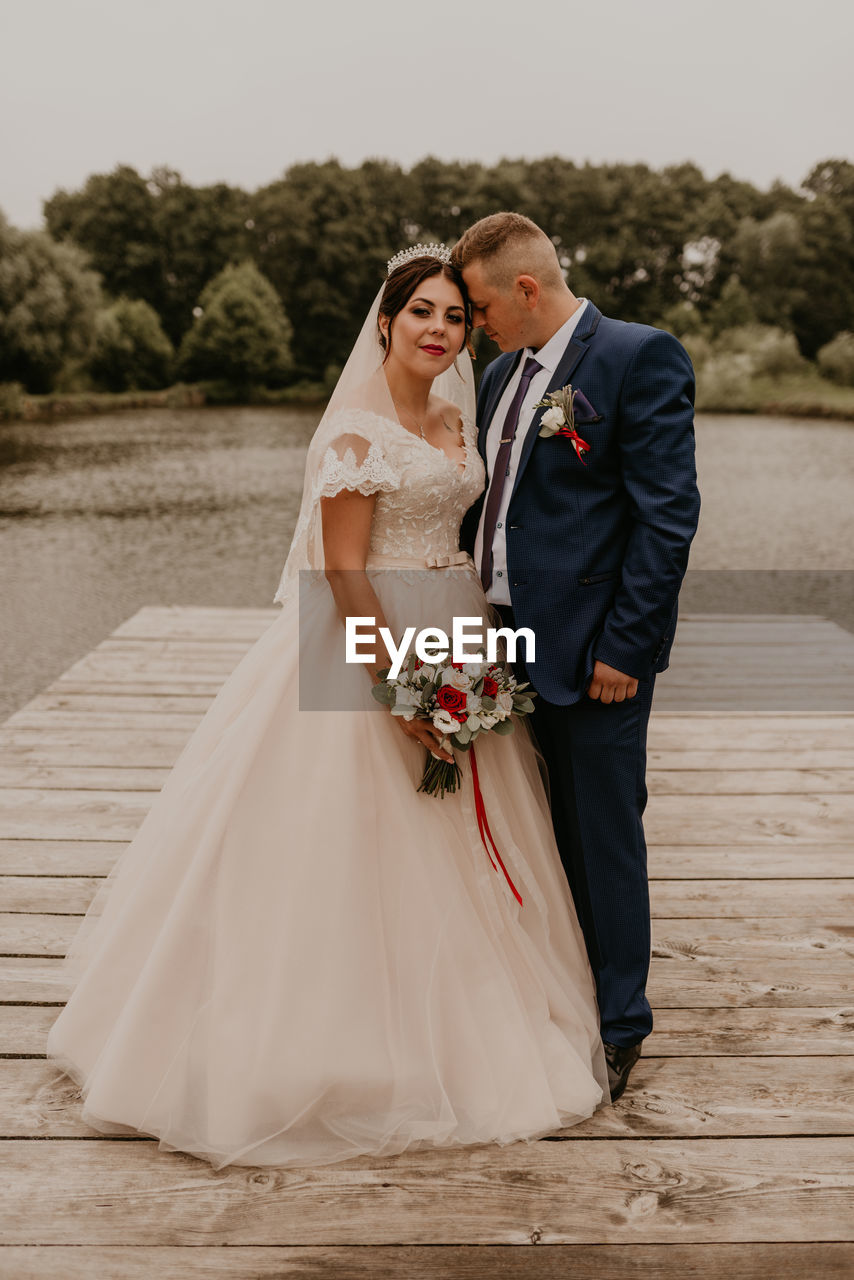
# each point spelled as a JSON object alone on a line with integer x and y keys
{"x": 453, "y": 701}
{"x": 490, "y": 688}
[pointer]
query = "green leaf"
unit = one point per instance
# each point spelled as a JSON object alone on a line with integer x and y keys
{"x": 502, "y": 728}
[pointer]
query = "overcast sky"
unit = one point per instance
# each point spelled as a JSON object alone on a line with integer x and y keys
{"x": 237, "y": 90}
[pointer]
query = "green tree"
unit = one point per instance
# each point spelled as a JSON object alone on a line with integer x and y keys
{"x": 733, "y": 309}
{"x": 241, "y": 335}
{"x": 324, "y": 234}
{"x": 836, "y": 359}
{"x": 48, "y": 301}
{"x": 113, "y": 219}
{"x": 198, "y": 231}
{"x": 825, "y": 271}
{"x": 130, "y": 351}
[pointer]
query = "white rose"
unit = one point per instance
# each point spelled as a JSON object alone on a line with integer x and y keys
{"x": 552, "y": 421}
{"x": 505, "y": 704}
{"x": 406, "y": 702}
{"x": 474, "y": 669}
{"x": 444, "y": 722}
{"x": 456, "y": 679}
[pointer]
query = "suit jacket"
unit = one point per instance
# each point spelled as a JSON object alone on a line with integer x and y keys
{"x": 597, "y": 549}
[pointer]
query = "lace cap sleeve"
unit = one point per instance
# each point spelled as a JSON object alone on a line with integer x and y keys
{"x": 355, "y": 459}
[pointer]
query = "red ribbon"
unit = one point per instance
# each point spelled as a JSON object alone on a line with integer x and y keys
{"x": 483, "y": 827}
{"x": 580, "y": 446}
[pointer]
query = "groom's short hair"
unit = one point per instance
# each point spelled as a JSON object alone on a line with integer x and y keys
{"x": 509, "y": 245}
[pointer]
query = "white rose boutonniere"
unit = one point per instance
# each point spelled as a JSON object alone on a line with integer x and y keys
{"x": 559, "y": 419}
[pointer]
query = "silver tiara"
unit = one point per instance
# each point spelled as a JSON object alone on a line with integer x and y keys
{"x": 439, "y": 251}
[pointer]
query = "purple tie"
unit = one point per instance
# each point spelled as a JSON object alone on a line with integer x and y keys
{"x": 500, "y": 469}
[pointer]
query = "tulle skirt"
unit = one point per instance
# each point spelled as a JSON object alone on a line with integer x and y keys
{"x": 300, "y": 959}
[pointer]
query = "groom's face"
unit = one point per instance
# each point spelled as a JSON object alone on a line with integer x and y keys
{"x": 501, "y": 313}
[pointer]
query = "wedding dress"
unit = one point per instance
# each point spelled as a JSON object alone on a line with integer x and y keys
{"x": 300, "y": 958}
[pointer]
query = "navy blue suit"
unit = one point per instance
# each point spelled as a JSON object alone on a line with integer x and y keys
{"x": 596, "y": 553}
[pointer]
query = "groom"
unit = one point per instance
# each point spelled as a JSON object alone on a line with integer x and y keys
{"x": 583, "y": 536}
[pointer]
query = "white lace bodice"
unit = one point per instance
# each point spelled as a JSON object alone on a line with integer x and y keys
{"x": 422, "y": 495}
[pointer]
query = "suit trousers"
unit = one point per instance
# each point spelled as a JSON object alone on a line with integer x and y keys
{"x": 595, "y": 755}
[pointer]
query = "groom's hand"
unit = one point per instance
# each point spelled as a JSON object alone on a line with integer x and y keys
{"x": 610, "y": 685}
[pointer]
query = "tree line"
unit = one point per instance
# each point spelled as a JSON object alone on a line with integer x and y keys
{"x": 138, "y": 280}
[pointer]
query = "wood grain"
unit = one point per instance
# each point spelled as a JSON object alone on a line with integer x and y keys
{"x": 669, "y": 1097}
{"x": 587, "y": 1191}
{"x": 830, "y": 1261}
{"x": 683, "y": 982}
{"x": 680, "y": 1032}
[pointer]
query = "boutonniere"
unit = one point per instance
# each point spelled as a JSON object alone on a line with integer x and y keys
{"x": 559, "y": 419}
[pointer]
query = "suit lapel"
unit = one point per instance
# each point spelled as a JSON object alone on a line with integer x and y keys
{"x": 576, "y": 349}
{"x": 491, "y": 404}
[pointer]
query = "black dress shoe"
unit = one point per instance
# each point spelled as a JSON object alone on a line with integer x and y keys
{"x": 620, "y": 1060}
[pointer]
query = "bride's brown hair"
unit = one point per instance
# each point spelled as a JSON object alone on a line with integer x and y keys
{"x": 403, "y": 282}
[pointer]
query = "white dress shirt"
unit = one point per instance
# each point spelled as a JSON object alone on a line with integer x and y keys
{"x": 549, "y": 356}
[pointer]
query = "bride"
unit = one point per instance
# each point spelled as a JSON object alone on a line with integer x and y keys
{"x": 300, "y": 958}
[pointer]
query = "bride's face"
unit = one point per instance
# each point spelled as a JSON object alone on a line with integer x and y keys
{"x": 429, "y": 332}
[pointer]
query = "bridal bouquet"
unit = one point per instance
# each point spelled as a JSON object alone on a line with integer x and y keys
{"x": 462, "y": 699}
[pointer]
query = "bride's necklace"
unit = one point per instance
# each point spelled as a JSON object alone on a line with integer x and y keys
{"x": 420, "y": 425}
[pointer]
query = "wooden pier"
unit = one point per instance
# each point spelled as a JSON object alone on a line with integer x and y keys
{"x": 730, "y": 1155}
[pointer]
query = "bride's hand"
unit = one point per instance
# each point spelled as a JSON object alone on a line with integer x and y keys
{"x": 427, "y": 735}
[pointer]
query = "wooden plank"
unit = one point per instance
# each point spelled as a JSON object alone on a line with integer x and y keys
{"x": 81, "y": 778}
{"x": 63, "y": 894}
{"x": 727, "y": 781}
{"x": 63, "y": 701}
{"x": 748, "y": 819}
{"x": 751, "y": 938}
{"x": 760, "y": 1032}
{"x": 714, "y": 695}
{"x": 726, "y": 938}
{"x": 74, "y": 815}
{"x": 669, "y": 1097}
{"x": 115, "y": 815}
{"x": 734, "y": 758}
{"x": 194, "y": 686}
{"x": 33, "y": 935}
{"x": 697, "y": 984}
{"x": 749, "y": 862}
{"x": 585, "y": 1191}
{"x": 49, "y": 724}
{"x": 58, "y": 857}
{"x": 751, "y": 1032}
{"x": 33, "y": 979}
{"x": 830, "y": 1261}
{"x": 686, "y": 982}
{"x": 169, "y": 621}
{"x": 78, "y": 747}
{"x": 666, "y": 862}
{"x": 751, "y": 733}
{"x": 828, "y": 900}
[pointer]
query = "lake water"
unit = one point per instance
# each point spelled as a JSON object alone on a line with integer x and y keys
{"x": 102, "y": 515}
